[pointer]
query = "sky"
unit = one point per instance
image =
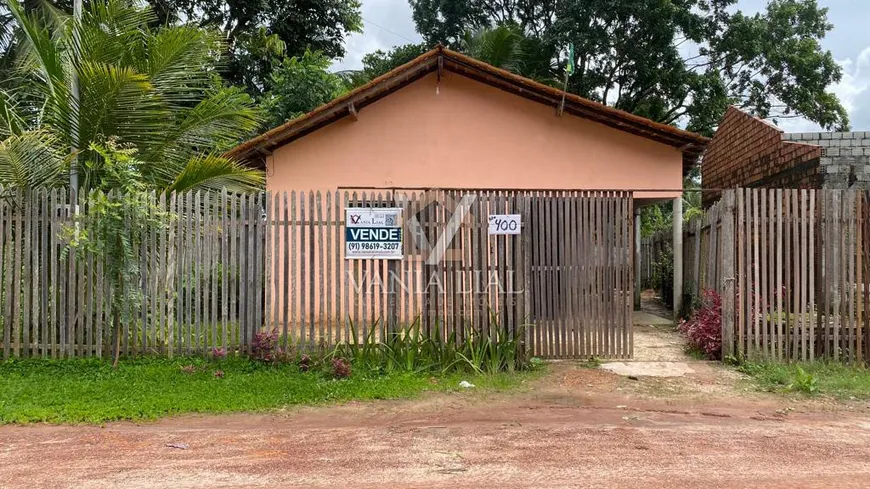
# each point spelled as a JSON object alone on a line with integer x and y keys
{"x": 388, "y": 23}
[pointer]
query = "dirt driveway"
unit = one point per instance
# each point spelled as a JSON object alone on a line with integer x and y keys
{"x": 577, "y": 427}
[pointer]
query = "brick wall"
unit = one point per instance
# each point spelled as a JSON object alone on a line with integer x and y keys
{"x": 845, "y": 160}
{"x": 749, "y": 152}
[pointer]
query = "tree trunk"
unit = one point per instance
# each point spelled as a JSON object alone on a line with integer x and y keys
{"x": 116, "y": 322}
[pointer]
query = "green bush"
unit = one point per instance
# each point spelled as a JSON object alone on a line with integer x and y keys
{"x": 487, "y": 350}
{"x": 663, "y": 274}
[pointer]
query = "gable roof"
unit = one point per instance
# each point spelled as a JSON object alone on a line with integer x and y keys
{"x": 440, "y": 59}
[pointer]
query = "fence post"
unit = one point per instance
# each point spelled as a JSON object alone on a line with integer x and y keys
{"x": 678, "y": 255}
{"x": 637, "y": 259}
{"x": 727, "y": 274}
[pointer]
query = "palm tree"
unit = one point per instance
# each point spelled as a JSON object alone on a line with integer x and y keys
{"x": 507, "y": 47}
{"x": 149, "y": 89}
{"x": 501, "y": 47}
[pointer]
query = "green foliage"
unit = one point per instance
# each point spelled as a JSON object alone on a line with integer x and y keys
{"x": 114, "y": 224}
{"x": 298, "y": 85}
{"x": 412, "y": 349}
{"x": 260, "y": 33}
{"x": 819, "y": 378}
{"x": 654, "y": 218}
{"x": 591, "y": 362}
{"x": 446, "y": 21}
{"x": 507, "y": 47}
{"x": 631, "y": 54}
{"x": 663, "y": 274}
{"x": 90, "y": 391}
{"x": 379, "y": 62}
{"x": 501, "y": 47}
{"x": 150, "y": 88}
{"x": 804, "y": 382}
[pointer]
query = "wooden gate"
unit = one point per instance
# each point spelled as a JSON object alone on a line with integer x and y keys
{"x": 567, "y": 279}
{"x": 581, "y": 274}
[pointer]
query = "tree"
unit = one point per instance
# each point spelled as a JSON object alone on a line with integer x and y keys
{"x": 260, "y": 33}
{"x": 678, "y": 62}
{"x": 446, "y": 21}
{"x": 379, "y": 62}
{"x": 299, "y": 85}
{"x": 151, "y": 118}
{"x": 113, "y": 228}
{"x": 153, "y": 90}
{"x": 507, "y": 47}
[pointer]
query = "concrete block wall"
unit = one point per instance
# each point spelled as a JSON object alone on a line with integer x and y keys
{"x": 845, "y": 159}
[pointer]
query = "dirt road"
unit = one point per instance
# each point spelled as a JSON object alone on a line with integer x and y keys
{"x": 576, "y": 427}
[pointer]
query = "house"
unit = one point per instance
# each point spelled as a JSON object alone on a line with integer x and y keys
{"x": 750, "y": 152}
{"x": 447, "y": 121}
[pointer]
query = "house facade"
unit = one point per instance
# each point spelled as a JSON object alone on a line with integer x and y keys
{"x": 450, "y": 123}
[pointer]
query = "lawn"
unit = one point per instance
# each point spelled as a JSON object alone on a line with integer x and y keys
{"x": 815, "y": 378}
{"x": 91, "y": 391}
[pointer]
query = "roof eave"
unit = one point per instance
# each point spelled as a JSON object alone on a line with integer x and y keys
{"x": 691, "y": 144}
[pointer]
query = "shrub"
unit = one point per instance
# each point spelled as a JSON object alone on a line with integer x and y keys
{"x": 490, "y": 348}
{"x": 305, "y": 363}
{"x": 804, "y": 382}
{"x": 340, "y": 368}
{"x": 263, "y": 346}
{"x": 704, "y": 328}
{"x": 663, "y": 274}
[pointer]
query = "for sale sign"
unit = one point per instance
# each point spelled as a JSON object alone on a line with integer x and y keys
{"x": 373, "y": 234}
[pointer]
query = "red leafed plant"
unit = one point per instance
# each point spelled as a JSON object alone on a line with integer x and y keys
{"x": 305, "y": 363}
{"x": 704, "y": 328}
{"x": 340, "y": 368}
{"x": 264, "y": 345}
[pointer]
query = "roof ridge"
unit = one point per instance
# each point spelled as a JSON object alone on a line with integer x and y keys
{"x": 582, "y": 107}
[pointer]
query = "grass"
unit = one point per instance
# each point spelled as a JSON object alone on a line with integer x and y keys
{"x": 591, "y": 362}
{"x": 90, "y": 391}
{"x": 695, "y": 353}
{"x": 811, "y": 379}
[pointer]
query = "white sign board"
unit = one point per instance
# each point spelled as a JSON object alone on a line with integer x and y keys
{"x": 505, "y": 224}
{"x": 373, "y": 234}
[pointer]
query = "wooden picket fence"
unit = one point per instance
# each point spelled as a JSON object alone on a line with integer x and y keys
{"x": 478, "y": 284}
{"x": 564, "y": 283}
{"x": 802, "y": 274}
{"x": 201, "y": 278}
{"x": 230, "y": 266}
{"x": 582, "y": 277}
{"x": 792, "y": 268}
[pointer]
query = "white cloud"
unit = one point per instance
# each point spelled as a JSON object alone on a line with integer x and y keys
{"x": 386, "y": 23}
{"x": 854, "y": 89}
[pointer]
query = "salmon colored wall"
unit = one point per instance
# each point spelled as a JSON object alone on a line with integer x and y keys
{"x": 465, "y": 134}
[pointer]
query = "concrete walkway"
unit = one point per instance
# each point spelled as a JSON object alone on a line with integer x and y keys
{"x": 645, "y": 318}
{"x": 659, "y": 349}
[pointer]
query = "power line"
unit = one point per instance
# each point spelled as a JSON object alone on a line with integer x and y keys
{"x": 388, "y": 30}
